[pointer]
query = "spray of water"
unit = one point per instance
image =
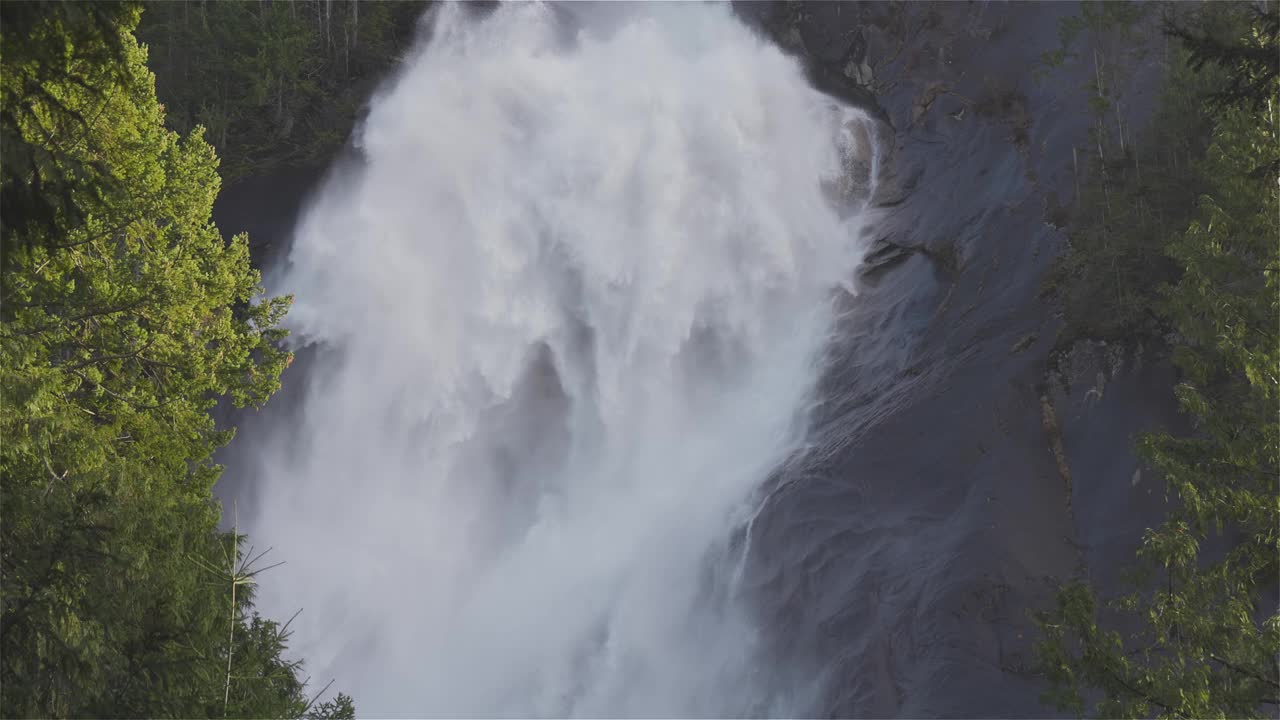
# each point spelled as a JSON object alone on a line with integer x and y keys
{"x": 566, "y": 314}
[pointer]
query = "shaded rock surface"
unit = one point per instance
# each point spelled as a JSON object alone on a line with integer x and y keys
{"x": 952, "y": 480}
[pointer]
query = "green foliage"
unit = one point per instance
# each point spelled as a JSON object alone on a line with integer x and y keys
{"x": 1199, "y": 636}
{"x": 276, "y": 82}
{"x": 1134, "y": 195}
{"x": 126, "y": 316}
{"x": 339, "y": 708}
{"x": 1098, "y": 18}
{"x": 1250, "y": 57}
{"x": 58, "y": 44}
{"x": 1134, "y": 190}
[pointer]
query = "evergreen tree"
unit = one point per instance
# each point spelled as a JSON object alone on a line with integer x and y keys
{"x": 126, "y": 315}
{"x": 1202, "y": 630}
{"x": 1250, "y": 58}
{"x": 274, "y": 83}
{"x": 55, "y": 44}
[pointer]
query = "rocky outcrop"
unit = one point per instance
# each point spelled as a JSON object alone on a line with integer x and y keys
{"x": 827, "y": 38}
{"x": 954, "y": 480}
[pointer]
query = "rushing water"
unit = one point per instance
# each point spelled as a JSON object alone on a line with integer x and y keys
{"x": 567, "y": 312}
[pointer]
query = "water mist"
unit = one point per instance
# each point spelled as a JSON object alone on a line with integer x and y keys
{"x": 566, "y": 312}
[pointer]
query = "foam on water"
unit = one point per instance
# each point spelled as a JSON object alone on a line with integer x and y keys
{"x": 567, "y": 313}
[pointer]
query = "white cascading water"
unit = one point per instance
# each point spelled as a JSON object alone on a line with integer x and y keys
{"x": 567, "y": 315}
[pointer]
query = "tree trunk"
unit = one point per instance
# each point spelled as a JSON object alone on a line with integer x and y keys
{"x": 186, "y": 36}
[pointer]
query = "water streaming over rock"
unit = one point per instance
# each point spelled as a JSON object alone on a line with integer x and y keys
{"x": 567, "y": 311}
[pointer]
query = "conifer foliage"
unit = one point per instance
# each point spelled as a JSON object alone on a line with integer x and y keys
{"x": 1199, "y": 634}
{"x": 126, "y": 316}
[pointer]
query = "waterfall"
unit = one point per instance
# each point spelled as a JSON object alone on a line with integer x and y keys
{"x": 566, "y": 313}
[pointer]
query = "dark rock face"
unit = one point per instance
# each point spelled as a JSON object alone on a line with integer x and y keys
{"x": 953, "y": 479}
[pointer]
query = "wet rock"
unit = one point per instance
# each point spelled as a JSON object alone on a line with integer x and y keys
{"x": 859, "y": 72}
{"x": 827, "y": 37}
{"x": 920, "y": 106}
{"x": 954, "y": 486}
{"x": 1107, "y": 394}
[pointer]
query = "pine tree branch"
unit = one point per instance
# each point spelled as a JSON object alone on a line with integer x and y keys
{"x": 77, "y": 318}
{"x": 107, "y": 358}
{"x": 1243, "y": 671}
{"x": 121, "y": 398}
{"x": 1124, "y": 684}
{"x": 318, "y": 695}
